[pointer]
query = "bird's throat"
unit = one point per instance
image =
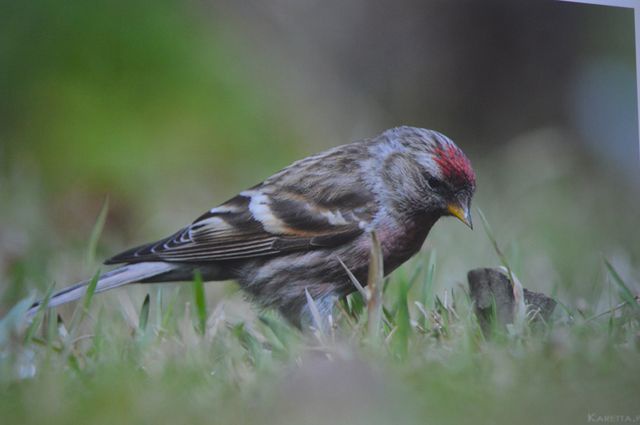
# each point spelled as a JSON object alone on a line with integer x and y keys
{"x": 401, "y": 240}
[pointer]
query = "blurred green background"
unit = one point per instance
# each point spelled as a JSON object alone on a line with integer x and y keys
{"x": 167, "y": 108}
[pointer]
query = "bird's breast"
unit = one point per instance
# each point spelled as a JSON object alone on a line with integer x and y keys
{"x": 402, "y": 239}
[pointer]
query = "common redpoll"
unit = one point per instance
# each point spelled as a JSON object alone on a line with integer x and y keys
{"x": 288, "y": 233}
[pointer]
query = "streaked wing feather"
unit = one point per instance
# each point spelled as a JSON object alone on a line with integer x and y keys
{"x": 318, "y": 202}
{"x": 260, "y": 224}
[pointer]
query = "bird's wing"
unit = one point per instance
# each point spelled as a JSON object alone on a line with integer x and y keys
{"x": 253, "y": 224}
{"x": 259, "y": 222}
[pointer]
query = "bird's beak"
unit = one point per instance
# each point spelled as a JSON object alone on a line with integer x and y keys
{"x": 462, "y": 213}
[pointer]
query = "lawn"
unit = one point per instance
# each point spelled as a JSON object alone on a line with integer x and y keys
{"x": 123, "y": 121}
{"x": 199, "y": 353}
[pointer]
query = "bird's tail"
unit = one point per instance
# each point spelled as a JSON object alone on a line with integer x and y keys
{"x": 130, "y": 273}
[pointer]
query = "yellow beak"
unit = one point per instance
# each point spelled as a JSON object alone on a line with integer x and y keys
{"x": 461, "y": 213}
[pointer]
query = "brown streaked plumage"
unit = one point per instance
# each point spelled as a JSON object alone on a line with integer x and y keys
{"x": 285, "y": 235}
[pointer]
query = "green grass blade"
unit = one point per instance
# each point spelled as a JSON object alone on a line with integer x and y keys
{"x": 91, "y": 290}
{"x": 625, "y": 292}
{"x": 279, "y": 334}
{"x": 254, "y": 349}
{"x": 79, "y": 314}
{"x": 50, "y": 322}
{"x": 400, "y": 341}
{"x": 415, "y": 275}
{"x": 356, "y": 303}
{"x": 14, "y": 319}
{"x": 159, "y": 305}
{"x": 39, "y": 316}
{"x": 200, "y": 302}
{"x": 144, "y": 314}
{"x": 427, "y": 288}
{"x": 169, "y": 310}
{"x": 96, "y": 232}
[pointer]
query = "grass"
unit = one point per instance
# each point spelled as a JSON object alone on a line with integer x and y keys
{"x": 198, "y": 353}
{"x": 166, "y": 115}
{"x": 427, "y": 361}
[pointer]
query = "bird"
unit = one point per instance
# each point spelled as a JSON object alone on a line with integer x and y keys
{"x": 290, "y": 236}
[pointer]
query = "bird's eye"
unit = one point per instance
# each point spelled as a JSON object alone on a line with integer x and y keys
{"x": 434, "y": 183}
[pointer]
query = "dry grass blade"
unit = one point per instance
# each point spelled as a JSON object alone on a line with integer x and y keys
{"x": 363, "y": 291}
{"x": 315, "y": 315}
{"x": 611, "y": 310}
{"x": 375, "y": 283}
{"x": 520, "y": 311}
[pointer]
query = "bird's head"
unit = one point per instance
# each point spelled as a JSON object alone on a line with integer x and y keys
{"x": 426, "y": 172}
